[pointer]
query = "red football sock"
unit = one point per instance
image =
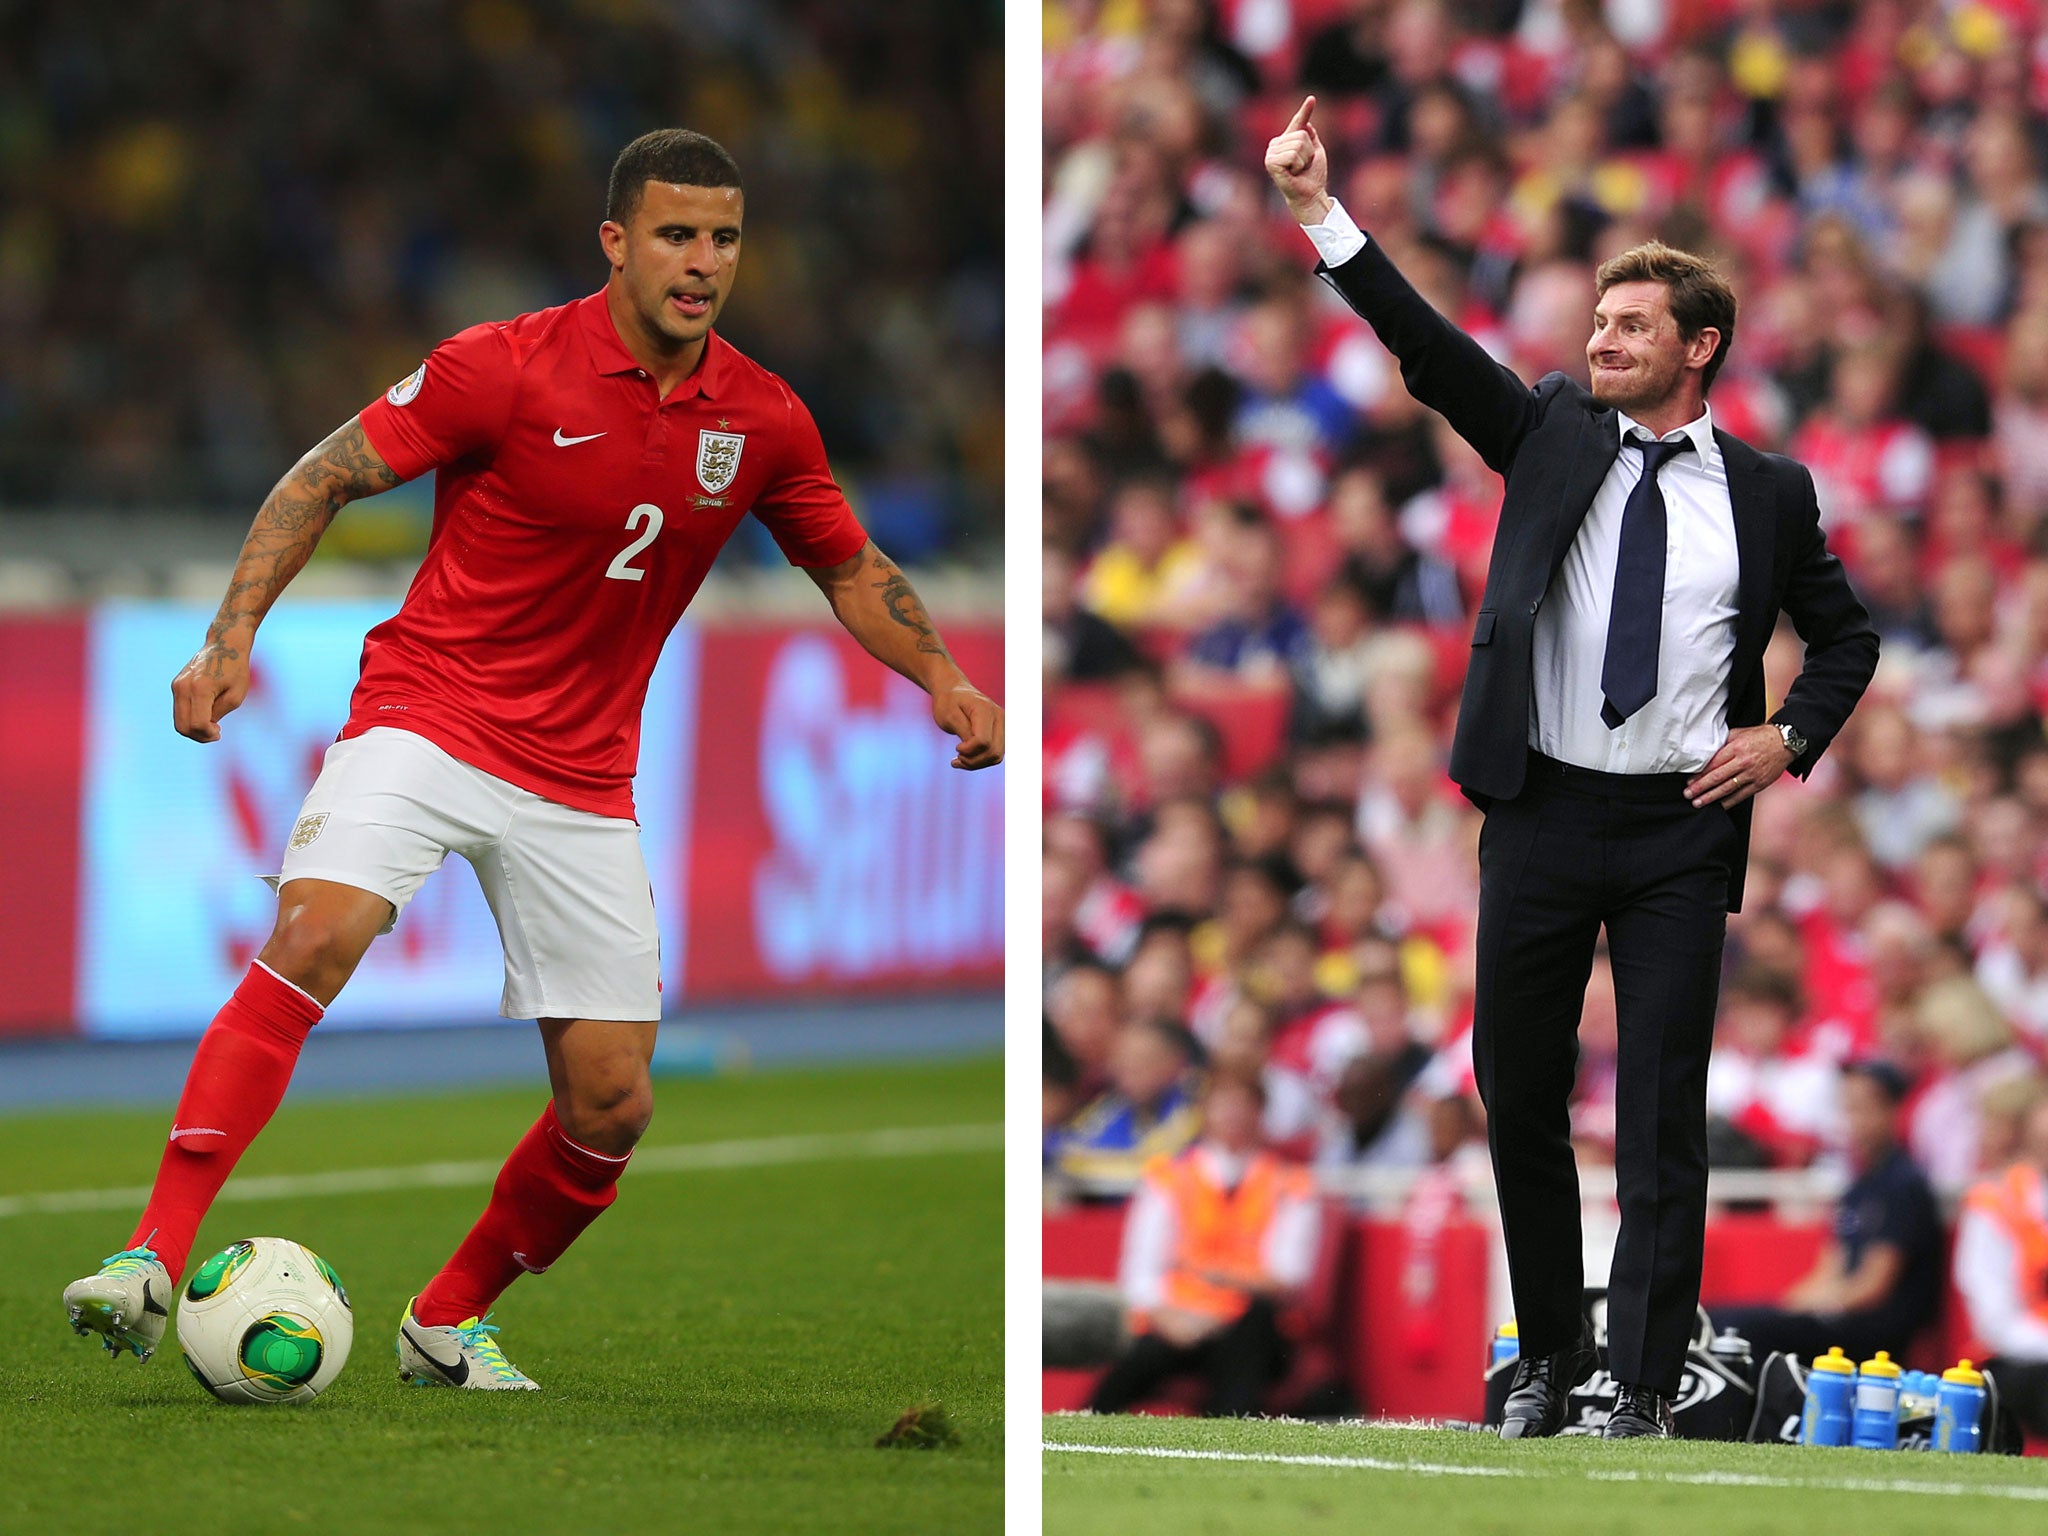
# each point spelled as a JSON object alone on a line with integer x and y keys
{"x": 239, "y": 1074}
{"x": 549, "y": 1190}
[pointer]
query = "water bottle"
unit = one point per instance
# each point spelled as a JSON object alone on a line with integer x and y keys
{"x": 1829, "y": 1387}
{"x": 1876, "y": 1424}
{"x": 1930, "y": 1383}
{"x": 1507, "y": 1345}
{"x": 1732, "y": 1350}
{"x": 1959, "y": 1409}
{"x": 1916, "y": 1395}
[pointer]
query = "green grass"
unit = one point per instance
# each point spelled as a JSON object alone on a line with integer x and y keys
{"x": 1563, "y": 1487}
{"x": 718, "y": 1353}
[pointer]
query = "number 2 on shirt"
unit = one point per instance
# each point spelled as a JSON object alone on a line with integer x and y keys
{"x": 620, "y": 569}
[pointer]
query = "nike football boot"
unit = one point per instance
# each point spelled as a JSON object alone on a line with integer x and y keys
{"x": 462, "y": 1355}
{"x": 127, "y": 1303}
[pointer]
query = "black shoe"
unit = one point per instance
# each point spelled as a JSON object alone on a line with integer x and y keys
{"x": 1639, "y": 1414}
{"x": 1540, "y": 1392}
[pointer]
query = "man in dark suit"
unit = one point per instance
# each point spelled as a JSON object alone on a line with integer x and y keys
{"x": 1613, "y": 731}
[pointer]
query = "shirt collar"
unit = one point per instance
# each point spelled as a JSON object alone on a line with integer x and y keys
{"x": 610, "y": 356}
{"x": 1700, "y": 430}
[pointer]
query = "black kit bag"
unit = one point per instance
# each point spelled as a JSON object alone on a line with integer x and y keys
{"x": 1716, "y": 1398}
{"x": 1780, "y": 1400}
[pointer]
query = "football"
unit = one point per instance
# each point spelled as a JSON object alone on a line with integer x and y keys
{"x": 265, "y": 1321}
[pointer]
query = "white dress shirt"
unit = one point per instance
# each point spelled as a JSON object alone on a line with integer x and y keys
{"x": 1986, "y": 1272}
{"x": 1338, "y": 238}
{"x": 1684, "y": 725}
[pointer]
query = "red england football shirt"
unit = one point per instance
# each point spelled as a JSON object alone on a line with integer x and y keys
{"x": 575, "y": 516}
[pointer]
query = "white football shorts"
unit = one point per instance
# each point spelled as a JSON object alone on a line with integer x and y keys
{"x": 569, "y": 888}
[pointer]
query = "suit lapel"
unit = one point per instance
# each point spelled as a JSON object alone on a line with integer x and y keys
{"x": 1599, "y": 443}
{"x": 1753, "y": 497}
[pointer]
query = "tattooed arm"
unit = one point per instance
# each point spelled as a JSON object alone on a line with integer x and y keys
{"x": 288, "y": 525}
{"x": 872, "y": 597}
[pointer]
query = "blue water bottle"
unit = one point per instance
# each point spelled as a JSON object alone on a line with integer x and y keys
{"x": 1507, "y": 1344}
{"x": 1829, "y": 1387}
{"x": 1916, "y": 1395}
{"x": 1959, "y": 1409}
{"x": 1876, "y": 1423}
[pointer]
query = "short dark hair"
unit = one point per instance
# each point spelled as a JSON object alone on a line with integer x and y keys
{"x": 1756, "y": 982}
{"x": 677, "y": 155}
{"x": 1699, "y": 295}
{"x": 1881, "y": 1074}
{"x": 1173, "y": 1033}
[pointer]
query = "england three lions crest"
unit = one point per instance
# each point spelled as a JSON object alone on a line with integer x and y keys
{"x": 718, "y": 459}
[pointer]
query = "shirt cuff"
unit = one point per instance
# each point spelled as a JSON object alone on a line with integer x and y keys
{"x": 1337, "y": 238}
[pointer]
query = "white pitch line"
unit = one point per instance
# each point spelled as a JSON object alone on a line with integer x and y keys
{"x": 1447, "y": 1469}
{"x": 763, "y": 1152}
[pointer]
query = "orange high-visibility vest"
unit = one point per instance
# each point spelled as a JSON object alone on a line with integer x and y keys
{"x": 2013, "y": 1200}
{"x": 1222, "y": 1231}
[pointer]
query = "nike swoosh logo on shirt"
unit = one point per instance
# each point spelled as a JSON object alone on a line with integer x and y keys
{"x": 566, "y": 442}
{"x": 456, "y": 1374}
{"x": 194, "y": 1130}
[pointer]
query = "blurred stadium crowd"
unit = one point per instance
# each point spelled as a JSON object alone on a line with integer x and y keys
{"x": 1262, "y": 556}
{"x": 226, "y": 224}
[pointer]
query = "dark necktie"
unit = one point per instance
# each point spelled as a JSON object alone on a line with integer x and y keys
{"x": 1635, "y": 623}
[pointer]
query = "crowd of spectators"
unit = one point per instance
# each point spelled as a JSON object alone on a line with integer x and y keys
{"x": 1262, "y": 556}
{"x": 226, "y": 224}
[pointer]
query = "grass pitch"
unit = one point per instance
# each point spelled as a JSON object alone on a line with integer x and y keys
{"x": 718, "y": 1353}
{"x": 1250, "y": 1477}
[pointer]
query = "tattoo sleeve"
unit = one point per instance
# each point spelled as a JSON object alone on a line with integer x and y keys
{"x": 872, "y": 597}
{"x": 903, "y": 603}
{"x": 291, "y": 520}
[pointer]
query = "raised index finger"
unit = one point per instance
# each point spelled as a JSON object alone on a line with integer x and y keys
{"x": 1307, "y": 106}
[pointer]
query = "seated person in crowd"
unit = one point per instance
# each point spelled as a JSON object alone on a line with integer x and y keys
{"x": 1079, "y": 646}
{"x": 1313, "y": 1039}
{"x": 1877, "y": 1283}
{"x": 1084, "y": 1016}
{"x": 1768, "y": 1103}
{"x": 1972, "y": 1049}
{"x": 2002, "y": 1272}
{"x": 1399, "y": 583}
{"x": 1147, "y": 1111}
{"x": 1257, "y": 637}
{"x": 1059, "y": 1094}
{"x": 1217, "y": 1242}
{"x": 1387, "y": 1124}
{"x": 1136, "y": 578}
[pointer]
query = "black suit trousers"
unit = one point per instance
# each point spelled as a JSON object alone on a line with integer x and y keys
{"x": 1575, "y": 851}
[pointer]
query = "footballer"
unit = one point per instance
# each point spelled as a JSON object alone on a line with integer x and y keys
{"x": 591, "y": 461}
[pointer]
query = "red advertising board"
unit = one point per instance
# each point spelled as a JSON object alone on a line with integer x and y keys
{"x": 833, "y": 847}
{"x": 42, "y": 752}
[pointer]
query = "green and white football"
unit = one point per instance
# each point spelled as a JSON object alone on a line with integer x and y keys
{"x": 265, "y": 1321}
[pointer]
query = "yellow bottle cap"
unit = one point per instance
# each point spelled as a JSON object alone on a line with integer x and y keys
{"x": 1962, "y": 1371}
{"x": 1883, "y": 1365}
{"x": 1835, "y": 1360}
{"x": 1508, "y": 1330}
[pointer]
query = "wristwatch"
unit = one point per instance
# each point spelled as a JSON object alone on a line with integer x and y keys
{"x": 1794, "y": 742}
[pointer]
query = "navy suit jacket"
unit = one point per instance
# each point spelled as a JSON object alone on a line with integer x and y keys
{"x": 1554, "y": 444}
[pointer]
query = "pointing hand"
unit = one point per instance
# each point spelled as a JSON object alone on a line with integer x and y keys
{"x": 1300, "y": 166}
